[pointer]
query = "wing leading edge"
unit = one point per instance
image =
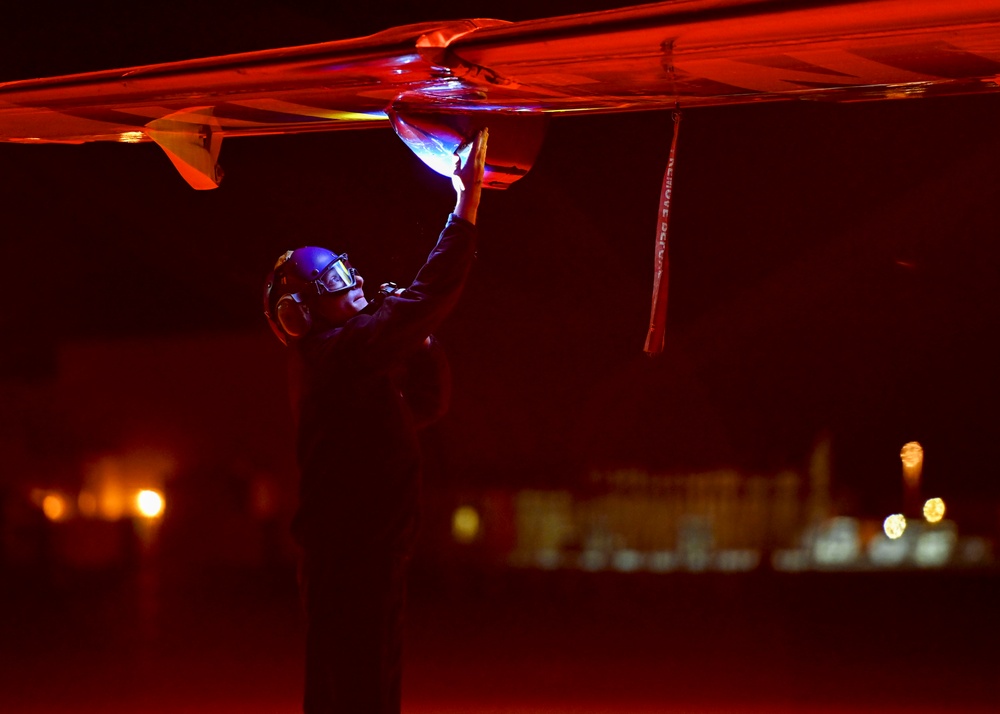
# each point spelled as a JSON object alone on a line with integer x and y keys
{"x": 435, "y": 82}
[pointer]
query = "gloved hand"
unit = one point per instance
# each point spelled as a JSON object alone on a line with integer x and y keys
{"x": 468, "y": 179}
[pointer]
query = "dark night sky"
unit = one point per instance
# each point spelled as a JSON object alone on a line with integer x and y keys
{"x": 834, "y": 267}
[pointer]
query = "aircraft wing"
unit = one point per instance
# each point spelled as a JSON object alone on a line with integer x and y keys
{"x": 436, "y": 83}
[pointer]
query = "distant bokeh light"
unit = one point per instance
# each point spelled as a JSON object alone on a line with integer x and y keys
{"x": 54, "y": 507}
{"x": 838, "y": 542}
{"x": 912, "y": 454}
{"x": 895, "y": 525}
{"x": 111, "y": 501}
{"x": 934, "y": 510}
{"x": 934, "y": 548}
{"x": 465, "y": 524}
{"x": 150, "y": 503}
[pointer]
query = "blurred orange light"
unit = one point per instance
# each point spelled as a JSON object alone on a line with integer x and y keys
{"x": 912, "y": 455}
{"x": 895, "y": 525}
{"x": 150, "y": 503}
{"x": 54, "y": 507}
{"x": 934, "y": 510}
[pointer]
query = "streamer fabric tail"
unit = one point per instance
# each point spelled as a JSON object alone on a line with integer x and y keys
{"x": 661, "y": 259}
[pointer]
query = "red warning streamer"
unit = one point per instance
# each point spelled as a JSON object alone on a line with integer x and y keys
{"x": 661, "y": 271}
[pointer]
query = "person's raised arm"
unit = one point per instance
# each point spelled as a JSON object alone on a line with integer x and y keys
{"x": 468, "y": 179}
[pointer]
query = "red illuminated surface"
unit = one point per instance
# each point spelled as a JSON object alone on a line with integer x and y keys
{"x": 694, "y": 53}
{"x": 698, "y": 53}
{"x": 519, "y": 644}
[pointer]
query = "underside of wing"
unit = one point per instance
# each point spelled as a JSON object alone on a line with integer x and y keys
{"x": 438, "y": 82}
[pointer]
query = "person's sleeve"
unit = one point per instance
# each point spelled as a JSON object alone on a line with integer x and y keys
{"x": 402, "y": 322}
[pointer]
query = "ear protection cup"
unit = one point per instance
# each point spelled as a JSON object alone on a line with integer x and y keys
{"x": 298, "y": 273}
{"x": 293, "y": 315}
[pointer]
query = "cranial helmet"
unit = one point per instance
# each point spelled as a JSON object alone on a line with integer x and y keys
{"x": 298, "y": 276}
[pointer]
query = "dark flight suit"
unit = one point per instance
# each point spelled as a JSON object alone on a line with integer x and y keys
{"x": 357, "y": 387}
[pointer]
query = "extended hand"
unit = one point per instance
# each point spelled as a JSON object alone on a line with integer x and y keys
{"x": 468, "y": 179}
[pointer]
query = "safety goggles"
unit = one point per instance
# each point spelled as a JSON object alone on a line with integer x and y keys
{"x": 337, "y": 277}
